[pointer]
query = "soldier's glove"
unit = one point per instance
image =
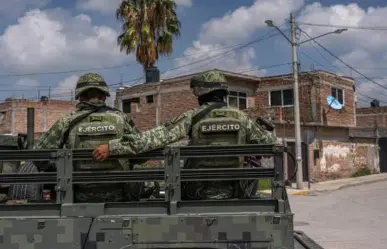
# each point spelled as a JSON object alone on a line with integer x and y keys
{"x": 3, "y": 198}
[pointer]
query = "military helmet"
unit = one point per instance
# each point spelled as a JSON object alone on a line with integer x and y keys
{"x": 207, "y": 82}
{"x": 90, "y": 81}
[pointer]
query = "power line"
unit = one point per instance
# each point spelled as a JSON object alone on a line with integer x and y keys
{"x": 352, "y": 68}
{"x": 380, "y": 28}
{"x": 124, "y": 65}
{"x": 68, "y": 92}
{"x": 356, "y": 92}
{"x": 229, "y": 52}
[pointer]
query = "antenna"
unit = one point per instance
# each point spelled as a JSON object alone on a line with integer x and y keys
{"x": 121, "y": 82}
{"x": 333, "y": 103}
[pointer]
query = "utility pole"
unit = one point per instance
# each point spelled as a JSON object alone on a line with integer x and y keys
{"x": 296, "y": 107}
{"x": 295, "y": 90}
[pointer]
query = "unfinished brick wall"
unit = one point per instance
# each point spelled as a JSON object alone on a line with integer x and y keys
{"x": 176, "y": 98}
{"x": 313, "y": 91}
{"x": 371, "y": 117}
{"x": 345, "y": 116}
{"x": 45, "y": 114}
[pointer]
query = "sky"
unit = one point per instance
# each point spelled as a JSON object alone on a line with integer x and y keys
{"x": 46, "y": 45}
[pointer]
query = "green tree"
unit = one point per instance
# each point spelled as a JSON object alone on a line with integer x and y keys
{"x": 149, "y": 27}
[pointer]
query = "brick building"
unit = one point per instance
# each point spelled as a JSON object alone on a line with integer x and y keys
{"x": 13, "y": 114}
{"x": 331, "y": 146}
{"x": 371, "y": 117}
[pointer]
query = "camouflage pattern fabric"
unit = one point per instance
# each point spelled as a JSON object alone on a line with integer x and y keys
{"x": 89, "y": 81}
{"x": 112, "y": 193}
{"x": 54, "y": 139}
{"x": 179, "y": 128}
{"x": 207, "y": 82}
{"x": 237, "y": 230}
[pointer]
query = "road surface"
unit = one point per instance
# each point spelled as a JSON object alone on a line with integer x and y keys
{"x": 352, "y": 218}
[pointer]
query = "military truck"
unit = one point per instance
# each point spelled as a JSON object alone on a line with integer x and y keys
{"x": 11, "y": 142}
{"x": 257, "y": 222}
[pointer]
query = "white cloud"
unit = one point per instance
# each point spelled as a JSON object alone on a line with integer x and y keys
{"x": 346, "y": 15}
{"x": 186, "y": 3}
{"x": 244, "y": 21}
{"x": 27, "y": 83}
{"x": 54, "y": 39}
{"x": 362, "y": 49}
{"x": 107, "y": 9}
{"x": 99, "y": 5}
{"x": 12, "y": 8}
{"x": 235, "y": 26}
{"x": 66, "y": 88}
{"x": 214, "y": 56}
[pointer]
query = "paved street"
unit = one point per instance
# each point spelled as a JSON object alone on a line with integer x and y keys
{"x": 352, "y": 218}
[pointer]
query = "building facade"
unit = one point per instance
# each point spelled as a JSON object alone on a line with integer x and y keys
{"x": 329, "y": 149}
{"x": 13, "y": 114}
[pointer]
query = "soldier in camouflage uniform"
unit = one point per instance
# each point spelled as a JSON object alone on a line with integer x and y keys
{"x": 92, "y": 124}
{"x": 213, "y": 123}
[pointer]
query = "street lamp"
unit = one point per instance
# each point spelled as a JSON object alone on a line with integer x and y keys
{"x": 295, "y": 91}
{"x": 337, "y": 31}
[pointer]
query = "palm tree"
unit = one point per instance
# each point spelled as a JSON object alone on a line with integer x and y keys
{"x": 149, "y": 27}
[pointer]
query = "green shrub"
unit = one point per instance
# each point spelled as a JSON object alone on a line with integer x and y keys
{"x": 362, "y": 172}
{"x": 264, "y": 184}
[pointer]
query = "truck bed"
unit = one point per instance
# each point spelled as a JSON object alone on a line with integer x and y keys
{"x": 302, "y": 241}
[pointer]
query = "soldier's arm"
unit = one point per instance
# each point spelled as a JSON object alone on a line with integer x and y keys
{"x": 155, "y": 138}
{"x": 54, "y": 137}
{"x": 129, "y": 127}
{"x": 258, "y": 135}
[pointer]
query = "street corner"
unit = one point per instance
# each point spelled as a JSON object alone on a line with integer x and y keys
{"x": 302, "y": 192}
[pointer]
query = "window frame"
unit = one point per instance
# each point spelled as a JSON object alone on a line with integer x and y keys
{"x": 131, "y": 100}
{"x": 337, "y": 93}
{"x": 148, "y": 98}
{"x": 238, "y": 97}
{"x": 282, "y": 97}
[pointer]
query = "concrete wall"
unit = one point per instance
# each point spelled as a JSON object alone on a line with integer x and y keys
{"x": 342, "y": 159}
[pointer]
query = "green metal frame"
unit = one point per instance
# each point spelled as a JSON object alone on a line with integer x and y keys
{"x": 172, "y": 173}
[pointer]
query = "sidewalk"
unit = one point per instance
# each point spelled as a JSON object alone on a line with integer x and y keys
{"x": 335, "y": 184}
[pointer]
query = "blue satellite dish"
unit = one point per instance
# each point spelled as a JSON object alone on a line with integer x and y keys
{"x": 332, "y": 102}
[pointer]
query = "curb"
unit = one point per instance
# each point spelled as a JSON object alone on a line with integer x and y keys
{"x": 306, "y": 192}
{"x": 300, "y": 192}
{"x": 349, "y": 185}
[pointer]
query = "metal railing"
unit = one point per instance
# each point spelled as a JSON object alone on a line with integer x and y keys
{"x": 64, "y": 179}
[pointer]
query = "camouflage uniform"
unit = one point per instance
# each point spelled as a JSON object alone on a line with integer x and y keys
{"x": 181, "y": 127}
{"x": 56, "y": 138}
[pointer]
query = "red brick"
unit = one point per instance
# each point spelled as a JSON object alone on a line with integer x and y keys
{"x": 55, "y": 109}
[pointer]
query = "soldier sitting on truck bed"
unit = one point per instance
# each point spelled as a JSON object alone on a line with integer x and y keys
{"x": 92, "y": 124}
{"x": 213, "y": 123}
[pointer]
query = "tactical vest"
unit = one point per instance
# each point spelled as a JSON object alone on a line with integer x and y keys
{"x": 223, "y": 126}
{"x": 96, "y": 129}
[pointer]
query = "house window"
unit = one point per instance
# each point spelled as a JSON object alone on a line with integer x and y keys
{"x": 2, "y": 116}
{"x": 338, "y": 94}
{"x": 237, "y": 99}
{"x": 316, "y": 156}
{"x": 281, "y": 97}
{"x": 149, "y": 99}
{"x": 126, "y": 104}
